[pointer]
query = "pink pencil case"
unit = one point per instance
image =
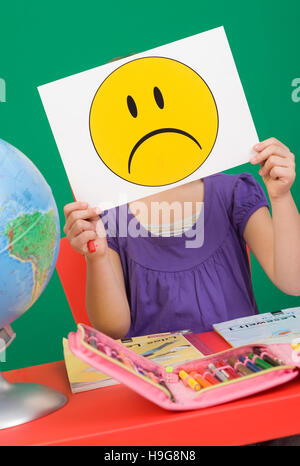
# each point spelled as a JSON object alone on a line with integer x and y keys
{"x": 168, "y": 390}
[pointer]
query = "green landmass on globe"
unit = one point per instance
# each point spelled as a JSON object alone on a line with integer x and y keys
{"x": 38, "y": 234}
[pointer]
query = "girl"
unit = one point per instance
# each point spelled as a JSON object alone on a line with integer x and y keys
{"x": 155, "y": 283}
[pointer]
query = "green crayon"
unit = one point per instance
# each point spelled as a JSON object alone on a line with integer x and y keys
{"x": 259, "y": 362}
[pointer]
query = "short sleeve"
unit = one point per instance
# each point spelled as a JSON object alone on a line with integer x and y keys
{"x": 248, "y": 196}
{"x": 109, "y": 219}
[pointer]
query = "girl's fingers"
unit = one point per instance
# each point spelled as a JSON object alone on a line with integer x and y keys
{"x": 279, "y": 172}
{"x": 271, "y": 150}
{"x": 80, "y": 214}
{"x": 100, "y": 229}
{"x": 268, "y": 142}
{"x": 271, "y": 162}
{"x": 74, "y": 206}
{"x": 79, "y": 226}
{"x": 80, "y": 242}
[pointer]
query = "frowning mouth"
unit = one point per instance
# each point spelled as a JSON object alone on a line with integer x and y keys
{"x": 158, "y": 131}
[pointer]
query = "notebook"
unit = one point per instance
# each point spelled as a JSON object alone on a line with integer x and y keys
{"x": 281, "y": 326}
{"x": 166, "y": 349}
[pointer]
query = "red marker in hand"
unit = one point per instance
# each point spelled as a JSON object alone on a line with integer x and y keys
{"x": 91, "y": 246}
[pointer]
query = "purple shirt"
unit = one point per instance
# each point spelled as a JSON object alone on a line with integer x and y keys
{"x": 172, "y": 287}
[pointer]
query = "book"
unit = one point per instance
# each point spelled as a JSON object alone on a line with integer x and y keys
{"x": 166, "y": 349}
{"x": 281, "y": 326}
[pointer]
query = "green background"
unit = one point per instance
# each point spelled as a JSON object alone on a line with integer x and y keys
{"x": 44, "y": 41}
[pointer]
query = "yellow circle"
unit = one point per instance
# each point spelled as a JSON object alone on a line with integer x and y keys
{"x": 153, "y": 121}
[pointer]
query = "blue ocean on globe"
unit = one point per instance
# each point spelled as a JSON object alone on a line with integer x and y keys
{"x": 29, "y": 233}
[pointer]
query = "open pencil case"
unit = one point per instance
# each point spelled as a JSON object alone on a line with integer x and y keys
{"x": 169, "y": 391}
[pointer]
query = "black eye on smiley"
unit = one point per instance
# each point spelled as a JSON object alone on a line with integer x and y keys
{"x": 160, "y": 103}
{"x": 158, "y": 97}
{"x": 132, "y": 105}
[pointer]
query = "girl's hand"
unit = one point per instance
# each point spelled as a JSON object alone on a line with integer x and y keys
{"x": 82, "y": 225}
{"x": 277, "y": 166}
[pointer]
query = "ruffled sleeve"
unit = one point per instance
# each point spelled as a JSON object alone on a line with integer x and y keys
{"x": 109, "y": 219}
{"x": 248, "y": 196}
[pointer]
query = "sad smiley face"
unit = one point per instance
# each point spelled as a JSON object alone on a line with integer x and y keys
{"x": 153, "y": 121}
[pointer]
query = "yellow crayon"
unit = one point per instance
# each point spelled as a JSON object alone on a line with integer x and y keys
{"x": 296, "y": 346}
{"x": 188, "y": 380}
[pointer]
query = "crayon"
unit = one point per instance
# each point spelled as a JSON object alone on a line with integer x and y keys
{"x": 140, "y": 370}
{"x": 115, "y": 354}
{"x": 107, "y": 350}
{"x": 249, "y": 364}
{"x": 153, "y": 377}
{"x": 201, "y": 380}
{"x": 143, "y": 372}
{"x": 222, "y": 370}
{"x": 217, "y": 373}
{"x": 188, "y": 380}
{"x": 259, "y": 362}
{"x": 100, "y": 346}
{"x": 93, "y": 341}
{"x": 267, "y": 357}
{"x": 207, "y": 376}
{"x": 238, "y": 366}
{"x": 127, "y": 361}
{"x": 91, "y": 246}
{"x": 271, "y": 360}
{"x": 91, "y": 243}
{"x": 228, "y": 372}
{"x": 156, "y": 381}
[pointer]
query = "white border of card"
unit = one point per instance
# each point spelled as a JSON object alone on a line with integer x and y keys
{"x": 67, "y": 104}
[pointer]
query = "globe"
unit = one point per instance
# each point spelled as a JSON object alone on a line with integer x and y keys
{"x": 29, "y": 244}
{"x": 29, "y": 233}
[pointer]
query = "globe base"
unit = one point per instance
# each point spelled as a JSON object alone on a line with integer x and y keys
{"x": 24, "y": 402}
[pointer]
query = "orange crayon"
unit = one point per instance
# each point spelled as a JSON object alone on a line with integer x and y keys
{"x": 126, "y": 360}
{"x": 152, "y": 377}
{"x": 201, "y": 380}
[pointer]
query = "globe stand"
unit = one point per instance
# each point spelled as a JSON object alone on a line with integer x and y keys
{"x": 24, "y": 402}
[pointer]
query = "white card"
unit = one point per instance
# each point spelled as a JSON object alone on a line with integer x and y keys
{"x": 152, "y": 121}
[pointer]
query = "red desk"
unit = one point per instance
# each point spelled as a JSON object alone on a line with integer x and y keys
{"x": 115, "y": 415}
